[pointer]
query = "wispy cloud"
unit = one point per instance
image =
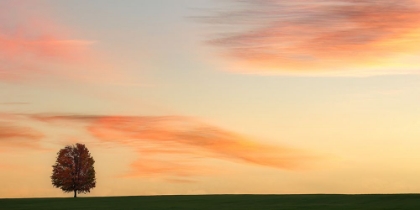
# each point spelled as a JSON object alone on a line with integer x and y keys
{"x": 42, "y": 46}
{"x": 35, "y": 46}
{"x": 15, "y": 136}
{"x": 172, "y": 169}
{"x": 176, "y": 146}
{"x": 30, "y": 39}
{"x": 7, "y": 166}
{"x": 318, "y": 36}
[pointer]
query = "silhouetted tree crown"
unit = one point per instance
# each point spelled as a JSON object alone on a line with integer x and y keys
{"x": 73, "y": 170}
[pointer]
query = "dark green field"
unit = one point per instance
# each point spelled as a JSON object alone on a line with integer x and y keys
{"x": 221, "y": 202}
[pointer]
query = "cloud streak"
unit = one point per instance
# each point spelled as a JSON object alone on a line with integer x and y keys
{"x": 13, "y": 136}
{"x": 177, "y": 146}
{"x": 316, "y": 36}
{"x": 34, "y": 46}
{"x": 30, "y": 41}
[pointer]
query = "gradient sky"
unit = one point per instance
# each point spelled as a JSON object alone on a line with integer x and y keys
{"x": 210, "y": 96}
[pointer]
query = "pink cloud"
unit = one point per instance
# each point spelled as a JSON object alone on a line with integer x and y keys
{"x": 42, "y": 47}
{"x": 35, "y": 46}
{"x": 30, "y": 41}
{"x": 319, "y": 35}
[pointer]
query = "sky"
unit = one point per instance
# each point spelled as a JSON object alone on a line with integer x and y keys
{"x": 211, "y": 96}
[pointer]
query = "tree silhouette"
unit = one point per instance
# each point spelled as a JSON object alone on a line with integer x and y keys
{"x": 73, "y": 170}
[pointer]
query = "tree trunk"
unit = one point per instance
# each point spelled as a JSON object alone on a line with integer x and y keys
{"x": 75, "y": 195}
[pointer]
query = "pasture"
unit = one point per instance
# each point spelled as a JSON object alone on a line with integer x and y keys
{"x": 221, "y": 202}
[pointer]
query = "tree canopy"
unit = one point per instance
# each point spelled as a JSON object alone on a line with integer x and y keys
{"x": 73, "y": 170}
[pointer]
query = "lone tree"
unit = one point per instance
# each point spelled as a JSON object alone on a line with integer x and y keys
{"x": 73, "y": 170}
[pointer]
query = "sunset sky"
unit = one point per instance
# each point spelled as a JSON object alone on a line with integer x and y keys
{"x": 212, "y": 96}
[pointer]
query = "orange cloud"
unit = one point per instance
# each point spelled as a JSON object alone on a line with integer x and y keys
{"x": 151, "y": 167}
{"x": 7, "y": 167}
{"x": 176, "y": 146}
{"x": 12, "y": 136}
{"x": 293, "y": 37}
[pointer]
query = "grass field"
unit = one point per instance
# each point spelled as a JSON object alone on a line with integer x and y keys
{"x": 221, "y": 202}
